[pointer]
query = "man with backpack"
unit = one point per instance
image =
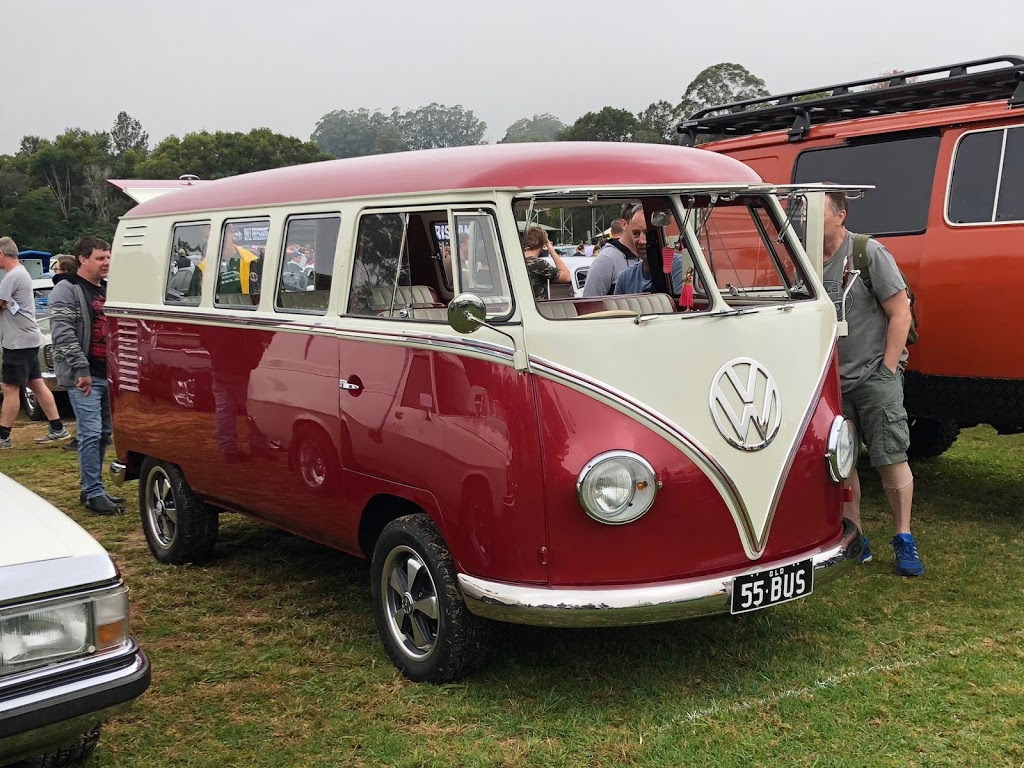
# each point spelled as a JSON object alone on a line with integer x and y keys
{"x": 871, "y": 361}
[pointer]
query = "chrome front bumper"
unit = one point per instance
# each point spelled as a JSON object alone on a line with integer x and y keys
{"x": 619, "y": 606}
{"x": 57, "y": 708}
{"x": 118, "y": 472}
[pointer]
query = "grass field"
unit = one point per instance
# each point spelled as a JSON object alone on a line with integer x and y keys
{"x": 269, "y": 655}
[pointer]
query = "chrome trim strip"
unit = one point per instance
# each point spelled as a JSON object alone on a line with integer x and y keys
{"x": 70, "y": 667}
{"x": 641, "y": 604}
{"x": 409, "y": 336}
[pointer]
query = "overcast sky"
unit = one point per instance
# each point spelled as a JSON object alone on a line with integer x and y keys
{"x": 187, "y": 65}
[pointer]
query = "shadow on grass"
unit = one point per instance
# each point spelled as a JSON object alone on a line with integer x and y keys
{"x": 701, "y": 657}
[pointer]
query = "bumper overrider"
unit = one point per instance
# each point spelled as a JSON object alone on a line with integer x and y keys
{"x": 646, "y": 604}
{"x": 50, "y": 708}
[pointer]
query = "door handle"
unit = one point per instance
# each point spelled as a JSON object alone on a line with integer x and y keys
{"x": 343, "y": 384}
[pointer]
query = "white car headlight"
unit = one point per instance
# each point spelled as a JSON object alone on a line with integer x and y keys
{"x": 616, "y": 487}
{"x": 842, "y": 448}
{"x": 64, "y": 628}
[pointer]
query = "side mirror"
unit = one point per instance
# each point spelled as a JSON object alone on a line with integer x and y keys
{"x": 466, "y": 313}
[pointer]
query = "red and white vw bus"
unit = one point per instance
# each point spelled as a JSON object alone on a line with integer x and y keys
{"x": 352, "y": 351}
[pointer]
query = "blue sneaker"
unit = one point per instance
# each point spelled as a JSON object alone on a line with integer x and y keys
{"x": 866, "y": 556}
{"x": 908, "y": 562}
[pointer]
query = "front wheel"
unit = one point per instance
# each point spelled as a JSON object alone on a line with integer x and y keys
{"x": 421, "y": 616}
{"x": 75, "y": 753}
{"x": 179, "y": 526}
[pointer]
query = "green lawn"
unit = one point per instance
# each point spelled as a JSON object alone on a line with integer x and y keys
{"x": 269, "y": 656}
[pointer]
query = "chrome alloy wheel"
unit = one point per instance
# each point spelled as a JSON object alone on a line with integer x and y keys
{"x": 161, "y": 512}
{"x": 410, "y": 602}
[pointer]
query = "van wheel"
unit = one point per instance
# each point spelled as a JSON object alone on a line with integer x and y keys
{"x": 179, "y": 527}
{"x": 75, "y": 753}
{"x": 315, "y": 460}
{"x": 421, "y": 617}
{"x": 31, "y": 406}
{"x": 931, "y": 437}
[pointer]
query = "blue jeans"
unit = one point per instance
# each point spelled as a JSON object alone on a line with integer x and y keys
{"x": 92, "y": 412}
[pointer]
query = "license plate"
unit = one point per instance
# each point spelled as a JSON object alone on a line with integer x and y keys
{"x": 753, "y": 591}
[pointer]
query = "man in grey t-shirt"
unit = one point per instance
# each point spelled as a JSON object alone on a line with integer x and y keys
{"x": 21, "y": 339}
{"x": 619, "y": 254}
{"x": 871, "y": 362}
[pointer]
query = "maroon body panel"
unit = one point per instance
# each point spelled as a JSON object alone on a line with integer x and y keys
{"x": 689, "y": 531}
{"x": 491, "y": 454}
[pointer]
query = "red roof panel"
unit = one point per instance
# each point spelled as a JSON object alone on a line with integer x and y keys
{"x": 540, "y": 165}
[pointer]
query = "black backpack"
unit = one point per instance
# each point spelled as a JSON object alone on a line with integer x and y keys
{"x": 860, "y": 262}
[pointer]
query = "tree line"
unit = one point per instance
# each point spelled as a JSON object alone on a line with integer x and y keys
{"x": 52, "y": 191}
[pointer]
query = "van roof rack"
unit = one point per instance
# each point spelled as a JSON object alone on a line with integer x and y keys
{"x": 1001, "y": 77}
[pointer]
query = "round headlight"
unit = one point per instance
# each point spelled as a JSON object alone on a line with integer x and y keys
{"x": 842, "y": 448}
{"x": 616, "y": 487}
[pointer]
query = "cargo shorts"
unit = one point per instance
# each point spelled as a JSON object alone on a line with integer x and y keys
{"x": 875, "y": 406}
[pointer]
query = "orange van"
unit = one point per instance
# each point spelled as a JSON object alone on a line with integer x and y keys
{"x": 944, "y": 148}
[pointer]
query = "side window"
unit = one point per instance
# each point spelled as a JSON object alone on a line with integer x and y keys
{"x": 187, "y": 262}
{"x": 902, "y": 170}
{"x": 1011, "y": 182}
{"x": 987, "y": 164}
{"x": 481, "y": 269}
{"x": 304, "y": 283}
{"x": 243, "y": 246}
{"x": 972, "y": 190}
{"x": 394, "y": 268}
{"x": 378, "y": 264}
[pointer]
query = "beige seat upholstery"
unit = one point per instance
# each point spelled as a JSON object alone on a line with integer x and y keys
{"x": 315, "y": 301}
{"x": 433, "y": 314}
{"x": 557, "y": 310}
{"x": 406, "y": 296}
{"x": 235, "y": 300}
{"x": 642, "y": 303}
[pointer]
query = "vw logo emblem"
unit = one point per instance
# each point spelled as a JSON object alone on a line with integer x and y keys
{"x": 746, "y": 404}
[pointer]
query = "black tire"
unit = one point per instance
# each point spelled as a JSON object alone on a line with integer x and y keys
{"x": 179, "y": 526}
{"x": 73, "y": 754}
{"x": 316, "y": 460}
{"x": 931, "y": 437}
{"x": 30, "y": 405}
{"x": 411, "y": 577}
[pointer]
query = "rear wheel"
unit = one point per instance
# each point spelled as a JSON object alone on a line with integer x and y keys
{"x": 179, "y": 526}
{"x": 931, "y": 437}
{"x": 421, "y": 616}
{"x": 30, "y": 404}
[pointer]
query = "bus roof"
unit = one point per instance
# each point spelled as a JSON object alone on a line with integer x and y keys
{"x": 538, "y": 165}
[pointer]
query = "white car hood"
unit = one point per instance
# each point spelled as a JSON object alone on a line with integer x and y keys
{"x": 35, "y": 530}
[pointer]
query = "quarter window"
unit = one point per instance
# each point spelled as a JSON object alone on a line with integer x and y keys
{"x": 304, "y": 282}
{"x": 240, "y": 275}
{"x": 902, "y": 171}
{"x": 187, "y": 261}
{"x": 987, "y": 185}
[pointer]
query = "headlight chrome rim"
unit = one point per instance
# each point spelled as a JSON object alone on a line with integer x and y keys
{"x": 640, "y": 471}
{"x": 842, "y": 431}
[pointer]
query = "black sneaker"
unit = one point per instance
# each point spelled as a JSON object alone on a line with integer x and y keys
{"x": 101, "y": 505}
{"x": 70, "y": 446}
{"x": 117, "y": 501}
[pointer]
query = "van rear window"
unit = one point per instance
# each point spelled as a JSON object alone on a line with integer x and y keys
{"x": 902, "y": 171}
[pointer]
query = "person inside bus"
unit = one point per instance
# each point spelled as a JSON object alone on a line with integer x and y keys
{"x": 536, "y": 242}
{"x": 239, "y": 267}
{"x": 618, "y": 254}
